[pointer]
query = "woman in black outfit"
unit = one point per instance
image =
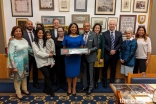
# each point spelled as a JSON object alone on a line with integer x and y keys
{"x": 59, "y": 59}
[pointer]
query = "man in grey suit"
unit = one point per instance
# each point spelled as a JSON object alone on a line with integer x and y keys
{"x": 88, "y": 60}
{"x": 29, "y": 35}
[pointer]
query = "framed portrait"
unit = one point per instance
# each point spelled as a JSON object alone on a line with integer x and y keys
{"x": 80, "y": 19}
{"x": 141, "y": 19}
{"x": 125, "y": 5}
{"x": 127, "y": 21}
{"x": 80, "y": 5}
{"x": 64, "y": 5}
{"x": 21, "y": 8}
{"x": 105, "y": 7}
{"x": 112, "y": 18}
{"x": 21, "y": 22}
{"x": 46, "y": 4}
{"x": 48, "y": 20}
{"x": 140, "y": 6}
{"x": 101, "y": 20}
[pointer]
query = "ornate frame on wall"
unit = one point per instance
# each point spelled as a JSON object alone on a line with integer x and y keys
{"x": 126, "y": 5}
{"x": 48, "y": 20}
{"x": 101, "y": 20}
{"x": 127, "y": 21}
{"x": 19, "y": 9}
{"x": 105, "y": 9}
{"x": 64, "y": 7}
{"x": 80, "y": 5}
{"x": 140, "y": 6}
{"x": 46, "y": 5}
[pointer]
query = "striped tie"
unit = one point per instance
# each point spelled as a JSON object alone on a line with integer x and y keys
{"x": 112, "y": 41}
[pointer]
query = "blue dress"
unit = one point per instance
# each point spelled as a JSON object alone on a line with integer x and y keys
{"x": 72, "y": 62}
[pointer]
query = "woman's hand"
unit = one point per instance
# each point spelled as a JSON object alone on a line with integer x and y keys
{"x": 146, "y": 63}
{"x": 122, "y": 61}
{"x": 50, "y": 55}
{"x": 15, "y": 70}
{"x": 100, "y": 61}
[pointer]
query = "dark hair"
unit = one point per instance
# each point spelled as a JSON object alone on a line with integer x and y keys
{"x": 14, "y": 28}
{"x": 98, "y": 25}
{"x": 46, "y": 34}
{"x": 36, "y": 40}
{"x": 144, "y": 35}
{"x": 42, "y": 26}
{"x": 77, "y": 32}
{"x": 61, "y": 27}
{"x": 56, "y": 19}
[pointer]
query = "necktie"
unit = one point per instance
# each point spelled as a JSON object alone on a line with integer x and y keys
{"x": 31, "y": 37}
{"x": 85, "y": 39}
{"x": 112, "y": 41}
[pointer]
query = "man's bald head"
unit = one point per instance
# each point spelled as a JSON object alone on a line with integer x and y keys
{"x": 112, "y": 25}
{"x": 29, "y": 25}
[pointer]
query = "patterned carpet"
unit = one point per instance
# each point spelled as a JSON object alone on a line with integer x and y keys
{"x": 60, "y": 98}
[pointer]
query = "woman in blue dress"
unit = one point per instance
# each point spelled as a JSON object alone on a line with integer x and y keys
{"x": 72, "y": 62}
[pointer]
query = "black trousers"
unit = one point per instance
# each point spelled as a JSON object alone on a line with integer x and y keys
{"x": 112, "y": 62}
{"x": 60, "y": 71}
{"x": 46, "y": 73}
{"x": 140, "y": 64}
{"x": 32, "y": 62}
{"x": 96, "y": 74}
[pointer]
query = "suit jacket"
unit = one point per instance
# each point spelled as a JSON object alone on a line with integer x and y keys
{"x": 92, "y": 46}
{"x": 117, "y": 43}
{"x": 25, "y": 36}
{"x": 53, "y": 34}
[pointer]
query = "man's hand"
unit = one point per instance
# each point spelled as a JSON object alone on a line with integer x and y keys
{"x": 50, "y": 55}
{"x": 15, "y": 70}
{"x": 12, "y": 38}
{"x": 112, "y": 52}
{"x": 100, "y": 61}
{"x": 122, "y": 61}
{"x": 88, "y": 52}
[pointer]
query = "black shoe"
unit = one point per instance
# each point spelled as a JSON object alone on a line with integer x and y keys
{"x": 64, "y": 88}
{"x": 88, "y": 92}
{"x": 83, "y": 89}
{"x": 57, "y": 88}
{"x": 74, "y": 94}
{"x": 26, "y": 93}
{"x": 51, "y": 92}
{"x": 19, "y": 98}
{"x": 68, "y": 94}
{"x": 96, "y": 86}
{"x": 105, "y": 84}
{"x": 45, "y": 91}
{"x": 36, "y": 86}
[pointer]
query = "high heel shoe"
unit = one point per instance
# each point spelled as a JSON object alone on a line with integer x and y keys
{"x": 69, "y": 93}
{"x": 74, "y": 90}
{"x": 20, "y": 98}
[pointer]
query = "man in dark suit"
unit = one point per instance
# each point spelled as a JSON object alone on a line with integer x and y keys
{"x": 54, "y": 34}
{"x": 29, "y": 35}
{"x": 88, "y": 60}
{"x": 113, "y": 42}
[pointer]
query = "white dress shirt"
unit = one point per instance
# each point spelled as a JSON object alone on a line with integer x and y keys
{"x": 55, "y": 31}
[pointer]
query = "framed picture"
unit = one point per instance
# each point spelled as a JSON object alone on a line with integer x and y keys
{"x": 48, "y": 20}
{"x": 80, "y": 19}
{"x": 113, "y": 18}
{"x": 105, "y": 7}
{"x": 140, "y": 6}
{"x": 101, "y": 20}
{"x": 80, "y": 5}
{"x": 141, "y": 19}
{"x": 21, "y": 22}
{"x": 125, "y": 5}
{"x": 64, "y": 5}
{"x": 21, "y": 8}
{"x": 46, "y": 4}
{"x": 127, "y": 21}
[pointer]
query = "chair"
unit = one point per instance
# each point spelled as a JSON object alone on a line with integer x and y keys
{"x": 141, "y": 78}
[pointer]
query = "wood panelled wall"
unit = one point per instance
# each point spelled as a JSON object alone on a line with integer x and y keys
{"x": 4, "y": 72}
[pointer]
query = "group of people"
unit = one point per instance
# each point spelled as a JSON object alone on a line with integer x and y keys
{"x": 42, "y": 49}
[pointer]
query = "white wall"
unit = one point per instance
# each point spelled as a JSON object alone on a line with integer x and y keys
{"x": 11, "y": 21}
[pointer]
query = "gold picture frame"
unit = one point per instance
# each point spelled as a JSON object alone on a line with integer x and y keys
{"x": 64, "y": 5}
{"x": 140, "y": 6}
{"x": 21, "y": 22}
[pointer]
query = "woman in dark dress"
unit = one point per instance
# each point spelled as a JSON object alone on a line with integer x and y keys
{"x": 59, "y": 59}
